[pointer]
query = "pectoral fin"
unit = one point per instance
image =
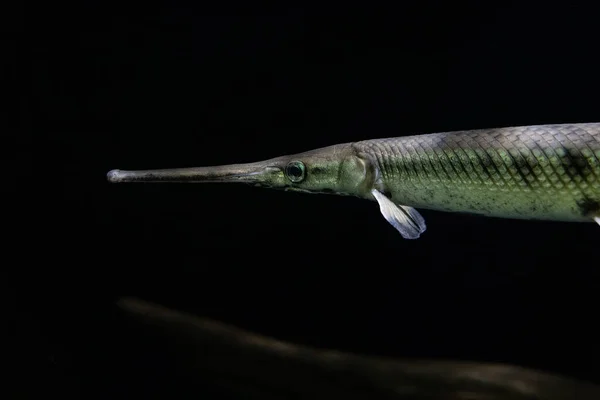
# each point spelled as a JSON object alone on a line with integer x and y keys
{"x": 597, "y": 219}
{"x": 405, "y": 219}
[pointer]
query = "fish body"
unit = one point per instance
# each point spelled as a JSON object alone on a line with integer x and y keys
{"x": 548, "y": 172}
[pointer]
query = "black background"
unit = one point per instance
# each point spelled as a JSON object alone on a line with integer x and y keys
{"x": 103, "y": 86}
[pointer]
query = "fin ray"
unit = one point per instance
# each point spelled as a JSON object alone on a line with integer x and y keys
{"x": 405, "y": 219}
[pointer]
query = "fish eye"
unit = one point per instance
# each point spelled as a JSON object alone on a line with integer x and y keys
{"x": 295, "y": 171}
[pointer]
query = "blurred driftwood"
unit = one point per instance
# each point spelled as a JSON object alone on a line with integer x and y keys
{"x": 259, "y": 367}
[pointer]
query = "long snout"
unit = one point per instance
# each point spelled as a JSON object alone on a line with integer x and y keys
{"x": 243, "y": 173}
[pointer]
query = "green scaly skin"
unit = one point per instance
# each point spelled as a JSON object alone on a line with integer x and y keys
{"x": 532, "y": 172}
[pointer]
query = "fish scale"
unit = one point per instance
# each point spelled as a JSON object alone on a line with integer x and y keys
{"x": 537, "y": 172}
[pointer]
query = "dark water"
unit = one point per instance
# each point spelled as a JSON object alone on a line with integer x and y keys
{"x": 101, "y": 87}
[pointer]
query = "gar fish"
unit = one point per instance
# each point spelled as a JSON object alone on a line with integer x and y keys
{"x": 545, "y": 172}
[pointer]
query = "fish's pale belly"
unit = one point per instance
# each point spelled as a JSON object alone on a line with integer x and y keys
{"x": 533, "y": 172}
{"x": 493, "y": 201}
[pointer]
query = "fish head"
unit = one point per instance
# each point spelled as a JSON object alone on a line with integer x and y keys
{"x": 336, "y": 169}
{"x": 329, "y": 170}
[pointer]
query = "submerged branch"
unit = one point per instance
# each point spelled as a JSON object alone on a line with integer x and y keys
{"x": 259, "y": 367}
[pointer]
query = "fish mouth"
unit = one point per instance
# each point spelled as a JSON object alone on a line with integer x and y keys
{"x": 258, "y": 173}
